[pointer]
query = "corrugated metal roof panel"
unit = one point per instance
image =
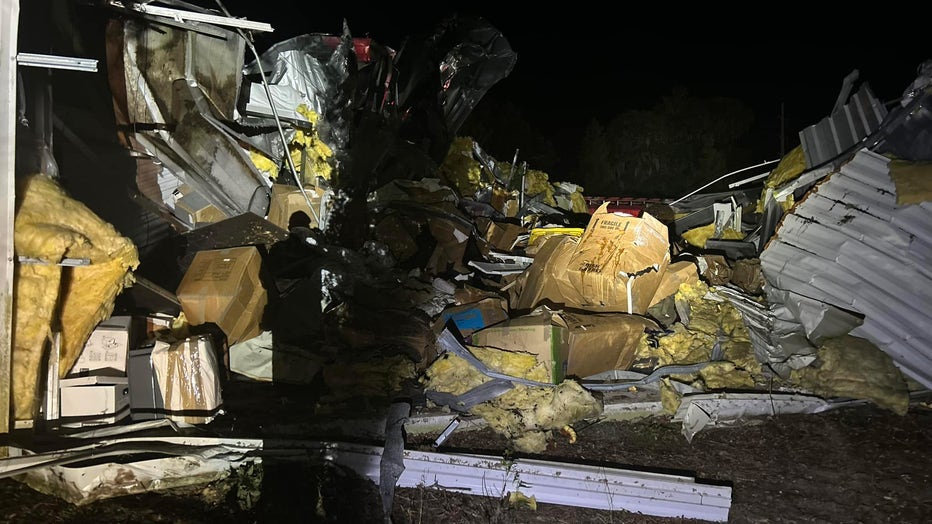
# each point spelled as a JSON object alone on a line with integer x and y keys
{"x": 849, "y": 244}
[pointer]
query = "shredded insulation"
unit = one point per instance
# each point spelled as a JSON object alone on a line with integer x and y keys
{"x": 853, "y": 367}
{"x": 913, "y": 181}
{"x": 526, "y": 415}
{"x": 710, "y": 320}
{"x": 460, "y": 170}
{"x": 698, "y": 236}
{"x": 304, "y": 146}
{"x": 51, "y": 226}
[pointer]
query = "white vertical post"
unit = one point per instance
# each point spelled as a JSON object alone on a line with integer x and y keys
{"x": 9, "y": 26}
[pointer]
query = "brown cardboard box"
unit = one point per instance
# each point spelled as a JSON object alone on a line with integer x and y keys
{"x": 287, "y": 199}
{"x": 683, "y": 271}
{"x": 602, "y": 342}
{"x": 615, "y": 266}
{"x": 501, "y": 236}
{"x": 223, "y": 286}
{"x": 542, "y": 333}
{"x": 473, "y": 317}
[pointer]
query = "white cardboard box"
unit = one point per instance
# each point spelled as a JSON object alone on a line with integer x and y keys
{"x": 93, "y": 401}
{"x": 179, "y": 381}
{"x": 105, "y": 351}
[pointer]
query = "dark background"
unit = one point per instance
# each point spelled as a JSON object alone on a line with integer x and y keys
{"x": 579, "y": 64}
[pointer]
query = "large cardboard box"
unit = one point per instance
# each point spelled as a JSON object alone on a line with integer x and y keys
{"x": 602, "y": 342}
{"x": 93, "y": 400}
{"x": 179, "y": 380}
{"x": 106, "y": 348}
{"x": 223, "y": 286}
{"x": 615, "y": 266}
{"x": 542, "y": 334}
{"x": 287, "y": 199}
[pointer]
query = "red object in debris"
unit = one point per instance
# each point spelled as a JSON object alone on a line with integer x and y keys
{"x": 631, "y": 206}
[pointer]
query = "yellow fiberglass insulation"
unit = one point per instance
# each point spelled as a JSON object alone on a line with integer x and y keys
{"x": 711, "y": 319}
{"x": 698, "y": 236}
{"x": 535, "y": 183}
{"x": 526, "y": 415}
{"x": 52, "y": 226}
{"x": 791, "y": 166}
{"x": 35, "y": 295}
{"x": 304, "y": 145}
{"x": 853, "y": 367}
{"x": 460, "y": 170}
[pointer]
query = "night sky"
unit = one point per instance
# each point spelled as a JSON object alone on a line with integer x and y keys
{"x": 573, "y": 66}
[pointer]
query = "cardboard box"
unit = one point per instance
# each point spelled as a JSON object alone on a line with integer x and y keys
{"x": 223, "y": 286}
{"x": 473, "y": 317}
{"x": 602, "y": 342}
{"x": 615, "y": 266}
{"x": 287, "y": 199}
{"x": 105, "y": 351}
{"x": 570, "y": 343}
{"x": 540, "y": 333}
{"x": 681, "y": 272}
{"x": 93, "y": 400}
{"x": 177, "y": 380}
{"x": 500, "y": 236}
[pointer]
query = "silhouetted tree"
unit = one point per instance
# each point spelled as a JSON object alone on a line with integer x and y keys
{"x": 679, "y": 144}
{"x": 595, "y": 163}
{"x": 500, "y": 128}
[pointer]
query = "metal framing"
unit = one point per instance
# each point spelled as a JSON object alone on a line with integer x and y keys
{"x": 9, "y": 26}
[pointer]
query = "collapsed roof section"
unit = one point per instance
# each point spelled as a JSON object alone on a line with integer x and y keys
{"x": 842, "y": 235}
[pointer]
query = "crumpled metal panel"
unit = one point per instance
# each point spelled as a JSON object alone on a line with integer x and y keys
{"x": 849, "y": 245}
{"x": 844, "y": 128}
{"x": 155, "y": 57}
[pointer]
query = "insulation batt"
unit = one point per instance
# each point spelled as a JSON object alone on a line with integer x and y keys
{"x": 52, "y": 226}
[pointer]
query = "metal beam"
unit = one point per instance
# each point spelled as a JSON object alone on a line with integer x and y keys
{"x": 9, "y": 27}
{"x": 180, "y": 15}
{"x": 550, "y": 482}
{"x": 88, "y": 65}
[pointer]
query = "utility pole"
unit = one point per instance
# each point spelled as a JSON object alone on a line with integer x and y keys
{"x": 782, "y": 133}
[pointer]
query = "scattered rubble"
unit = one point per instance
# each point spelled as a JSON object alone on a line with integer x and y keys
{"x": 403, "y": 261}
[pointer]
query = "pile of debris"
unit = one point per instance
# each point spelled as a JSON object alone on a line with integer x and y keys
{"x": 332, "y": 226}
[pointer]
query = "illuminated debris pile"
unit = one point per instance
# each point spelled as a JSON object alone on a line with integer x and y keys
{"x": 525, "y": 414}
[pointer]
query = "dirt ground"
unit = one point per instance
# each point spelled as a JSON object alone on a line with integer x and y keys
{"x": 853, "y": 464}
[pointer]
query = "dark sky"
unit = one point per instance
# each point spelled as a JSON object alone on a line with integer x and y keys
{"x": 575, "y": 65}
{"x": 576, "y": 62}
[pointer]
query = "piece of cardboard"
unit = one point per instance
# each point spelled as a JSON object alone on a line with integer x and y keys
{"x": 223, "y": 286}
{"x": 106, "y": 348}
{"x": 600, "y": 342}
{"x": 179, "y": 380}
{"x": 747, "y": 275}
{"x": 287, "y": 199}
{"x": 473, "y": 317}
{"x": 615, "y": 266}
{"x": 501, "y": 236}
{"x": 680, "y": 272}
{"x": 714, "y": 269}
{"x": 451, "y": 246}
{"x": 540, "y": 333}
